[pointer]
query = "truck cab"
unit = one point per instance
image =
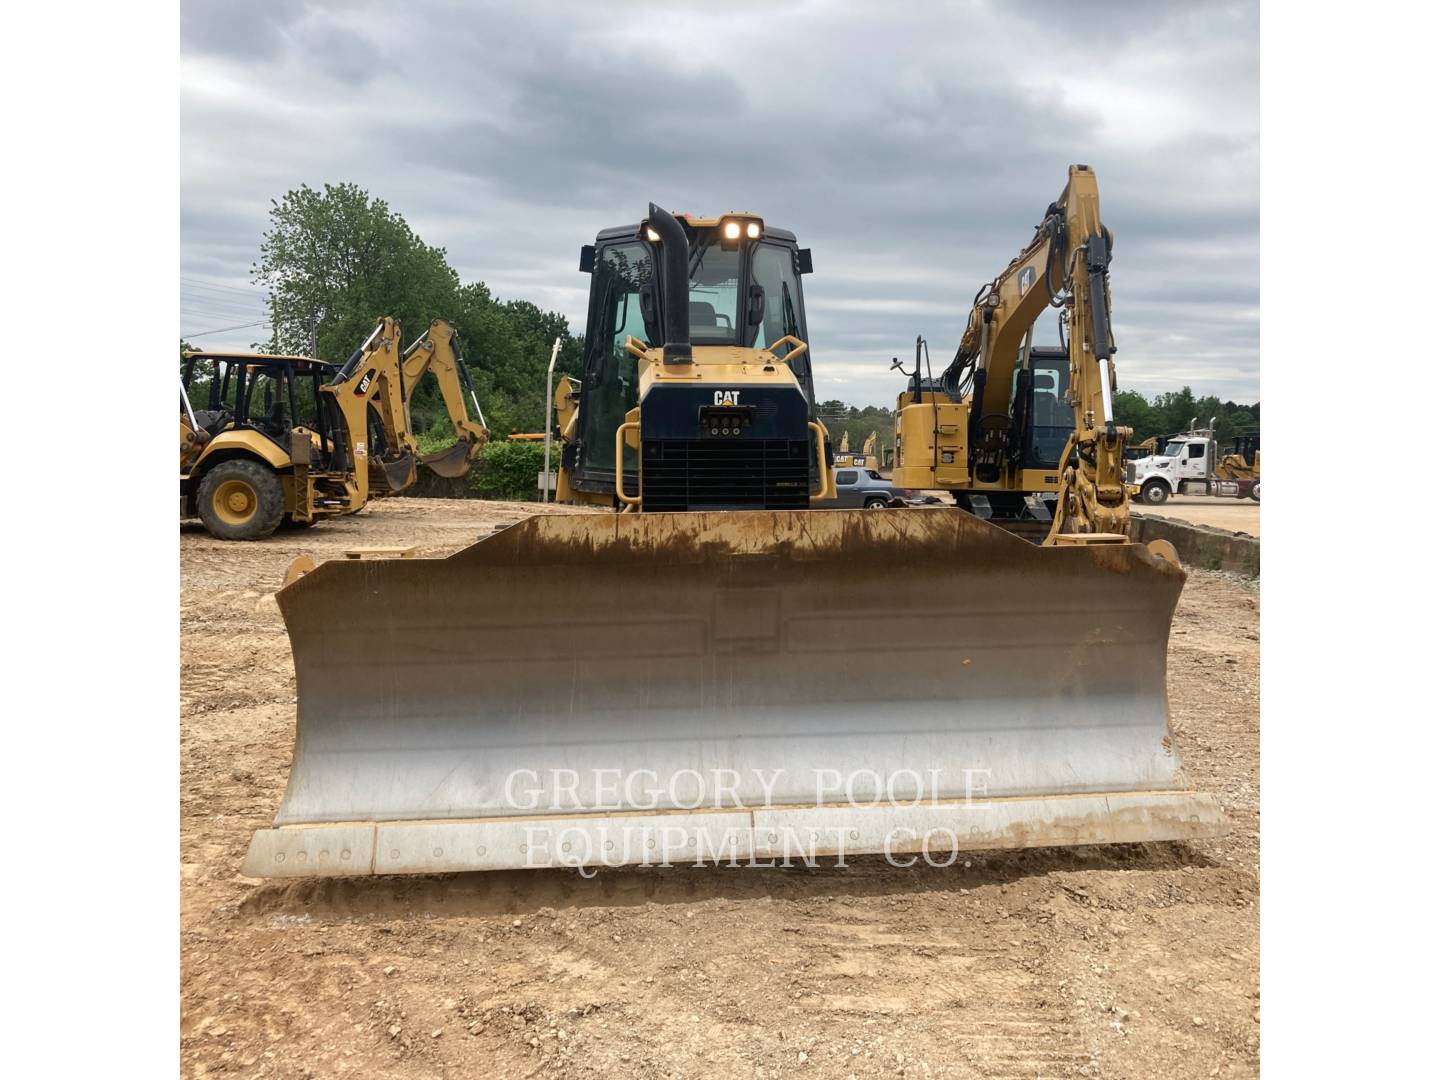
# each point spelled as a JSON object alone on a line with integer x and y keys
{"x": 1187, "y": 466}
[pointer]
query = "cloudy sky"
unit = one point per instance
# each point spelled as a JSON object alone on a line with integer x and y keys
{"x": 912, "y": 146}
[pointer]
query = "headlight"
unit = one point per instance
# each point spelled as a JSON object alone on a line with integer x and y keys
{"x": 732, "y": 230}
{"x": 753, "y": 230}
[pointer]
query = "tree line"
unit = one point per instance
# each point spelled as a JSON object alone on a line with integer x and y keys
{"x": 335, "y": 259}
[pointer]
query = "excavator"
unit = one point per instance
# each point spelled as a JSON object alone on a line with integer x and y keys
{"x": 675, "y": 677}
{"x": 1020, "y": 433}
{"x": 291, "y": 440}
{"x": 865, "y": 459}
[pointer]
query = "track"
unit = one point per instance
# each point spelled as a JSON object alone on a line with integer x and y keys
{"x": 1080, "y": 962}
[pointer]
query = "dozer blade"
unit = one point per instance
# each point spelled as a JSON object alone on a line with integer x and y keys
{"x": 450, "y": 463}
{"x": 607, "y": 689}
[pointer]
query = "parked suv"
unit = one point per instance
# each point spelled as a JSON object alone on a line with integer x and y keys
{"x": 861, "y": 487}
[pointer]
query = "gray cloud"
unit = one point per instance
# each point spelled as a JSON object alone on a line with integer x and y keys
{"x": 912, "y": 147}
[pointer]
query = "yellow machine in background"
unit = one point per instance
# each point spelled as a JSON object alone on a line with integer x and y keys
{"x": 681, "y": 681}
{"x": 1241, "y": 461}
{"x": 865, "y": 459}
{"x": 289, "y": 440}
{"x": 1007, "y": 423}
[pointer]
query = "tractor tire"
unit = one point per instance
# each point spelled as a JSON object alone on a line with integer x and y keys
{"x": 1154, "y": 492}
{"x": 241, "y": 500}
{"x": 1255, "y": 491}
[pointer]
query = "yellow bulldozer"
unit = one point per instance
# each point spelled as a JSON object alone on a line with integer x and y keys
{"x": 290, "y": 440}
{"x": 678, "y": 679}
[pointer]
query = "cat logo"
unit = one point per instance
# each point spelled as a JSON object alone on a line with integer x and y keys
{"x": 365, "y": 383}
{"x": 1027, "y": 278}
{"x": 727, "y": 397}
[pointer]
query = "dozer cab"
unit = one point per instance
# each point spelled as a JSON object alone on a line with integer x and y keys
{"x": 680, "y": 680}
{"x": 698, "y": 391}
{"x": 290, "y": 440}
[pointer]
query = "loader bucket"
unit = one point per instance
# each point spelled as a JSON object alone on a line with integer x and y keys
{"x": 744, "y": 686}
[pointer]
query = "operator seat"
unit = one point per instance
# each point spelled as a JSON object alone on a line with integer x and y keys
{"x": 702, "y": 315}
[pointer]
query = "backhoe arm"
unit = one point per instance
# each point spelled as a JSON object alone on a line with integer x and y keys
{"x": 370, "y": 383}
{"x": 438, "y": 352}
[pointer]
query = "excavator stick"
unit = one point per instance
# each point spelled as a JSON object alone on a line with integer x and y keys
{"x": 594, "y": 690}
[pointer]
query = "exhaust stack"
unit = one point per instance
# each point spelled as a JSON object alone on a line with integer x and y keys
{"x": 674, "y": 284}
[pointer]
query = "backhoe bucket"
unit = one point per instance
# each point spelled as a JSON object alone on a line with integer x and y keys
{"x": 450, "y": 463}
{"x": 588, "y": 690}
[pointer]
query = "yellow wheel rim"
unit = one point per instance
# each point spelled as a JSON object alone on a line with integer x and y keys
{"x": 235, "y": 502}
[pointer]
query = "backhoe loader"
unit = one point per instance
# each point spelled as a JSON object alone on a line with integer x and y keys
{"x": 290, "y": 440}
{"x": 680, "y": 681}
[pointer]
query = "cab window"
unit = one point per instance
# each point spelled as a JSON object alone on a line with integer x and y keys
{"x": 846, "y": 476}
{"x": 622, "y": 273}
{"x": 1197, "y": 449}
{"x": 774, "y": 271}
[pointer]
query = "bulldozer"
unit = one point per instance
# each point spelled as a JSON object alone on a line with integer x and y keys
{"x": 286, "y": 441}
{"x": 676, "y": 677}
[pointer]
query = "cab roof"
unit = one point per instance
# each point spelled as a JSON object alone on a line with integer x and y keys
{"x": 252, "y": 357}
{"x": 630, "y": 232}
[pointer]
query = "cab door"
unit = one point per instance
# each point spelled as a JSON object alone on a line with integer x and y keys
{"x": 610, "y": 384}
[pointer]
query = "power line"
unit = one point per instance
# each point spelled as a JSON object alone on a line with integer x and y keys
{"x": 222, "y": 329}
{"x": 206, "y": 284}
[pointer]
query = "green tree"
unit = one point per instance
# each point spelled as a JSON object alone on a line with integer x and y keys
{"x": 1133, "y": 411}
{"x": 333, "y": 261}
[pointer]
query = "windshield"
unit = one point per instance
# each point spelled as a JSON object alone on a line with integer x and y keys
{"x": 714, "y": 292}
{"x": 1174, "y": 449}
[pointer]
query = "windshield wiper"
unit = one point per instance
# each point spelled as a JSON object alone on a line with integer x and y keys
{"x": 792, "y": 325}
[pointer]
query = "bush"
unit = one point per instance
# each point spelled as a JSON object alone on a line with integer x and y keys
{"x": 509, "y": 470}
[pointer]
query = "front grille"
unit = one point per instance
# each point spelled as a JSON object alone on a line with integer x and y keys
{"x": 725, "y": 474}
{"x": 1129, "y": 472}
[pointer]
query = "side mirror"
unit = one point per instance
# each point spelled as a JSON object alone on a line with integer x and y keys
{"x": 587, "y": 259}
{"x": 755, "y": 309}
{"x": 804, "y": 263}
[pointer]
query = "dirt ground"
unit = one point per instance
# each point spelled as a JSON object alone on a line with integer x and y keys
{"x": 1237, "y": 515}
{"x": 1139, "y": 961}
